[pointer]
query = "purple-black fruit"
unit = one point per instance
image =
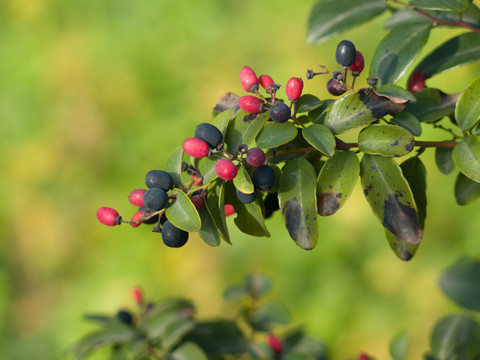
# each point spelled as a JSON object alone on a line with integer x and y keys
{"x": 246, "y": 198}
{"x": 155, "y": 199}
{"x": 263, "y": 177}
{"x": 159, "y": 179}
{"x": 210, "y": 134}
{"x": 173, "y": 236}
{"x": 280, "y": 112}
{"x": 346, "y": 53}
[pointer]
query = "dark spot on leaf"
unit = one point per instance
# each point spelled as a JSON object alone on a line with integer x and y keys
{"x": 367, "y": 189}
{"x": 409, "y": 147}
{"x": 330, "y": 186}
{"x": 339, "y": 195}
{"x": 379, "y": 105}
{"x": 250, "y": 117}
{"x": 401, "y": 220}
{"x": 395, "y": 143}
{"x": 327, "y": 204}
{"x": 292, "y": 213}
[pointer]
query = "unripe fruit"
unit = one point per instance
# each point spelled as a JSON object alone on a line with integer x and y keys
{"x": 195, "y": 147}
{"x": 125, "y": 317}
{"x": 246, "y": 198}
{"x": 335, "y": 87}
{"x": 159, "y": 179}
{"x": 294, "y": 88}
{"x": 345, "y": 53}
{"x": 228, "y": 209}
{"x": 255, "y": 157}
{"x": 136, "y": 197}
{"x": 137, "y": 295}
{"x": 173, "y": 236}
{"x": 226, "y": 169}
{"x": 280, "y": 112}
{"x": 248, "y": 79}
{"x": 135, "y": 221}
{"x": 263, "y": 177}
{"x": 251, "y": 104}
{"x": 275, "y": 343}
{"x": 155, "y": 199}
{"x": 197, "y": 200}
{"x": 266, "y": 81}
{"x": 416, "y": 82}
{"x": 210, "y": 134}
{"x": 108, "y": 216}
{"x": 357, "y": 67}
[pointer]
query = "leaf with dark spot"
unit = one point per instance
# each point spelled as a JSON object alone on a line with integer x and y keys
{"x": 416, "y": 175}
{"x": 385, "y": 140}
{"x": 243, "y": 129}
{"x": 227, "y": 101}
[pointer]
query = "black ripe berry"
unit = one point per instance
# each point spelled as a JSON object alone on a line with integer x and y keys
{"x": 173, "y": 236}
{"x": 159, "y": 179}
{"x": 125, "y": 317}
{"x": 271, "y": 204}
{"x": 335, "y": 87}
{"x": 346, "y": 53}
{"x": 280, "y": 112}
{"x": 263, "y": 177}
{"x": 255, "y": 157}
{"x": 210, "y": 134}
{"x": 155, "y": 199}
{"x": 246, "y": 198}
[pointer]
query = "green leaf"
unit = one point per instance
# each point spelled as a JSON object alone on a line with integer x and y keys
{"x": 175, "y": 331}
{"x": 183, "y": 214}
{"x": 215, "y": 204}
{"x": 461, "y": 282}
{"x": 391, "y": 199}
{"x": 257, "y": 284}
{"x": 466, "y": 190}
{"x": 359, "y": 108}
{"x": 243, "y": 129}
{"x": 416, "y": 175}
{"x": 98, "y": 318}
{"x": 385, "y": 140}
{"x": 188, "y": 351}
{"x": 208, "y": 232}
{"x": 444, "y": 5}
{"x": 317, "y": 116}
{"x": 221, "y": 120}
{"x": 397, "y": 51}
{"x": 242, "y": 181}
{"x": 274, "y": 134}
{"x": 466, "y": 155}
{"x": 399, "y": 345}
{"x": 467, "y": 112}
{"x": 329, "y": 18}
{"x": 119, "y": 353}
{"x": 409, "y": 122}
{"x": 269, "y": 314}
{"x": 396, "y": 91}
{"x": 296, "y": 194}
{"x": 458, "y": 51}
{"x": 321, "y": 138}
{"x": 228, "y": 101}
{"x": 431, "y": 105}
{"x": 306, "y": 103}
{"x": 235, "y": 292}
{"x": 174, "y": 165}
{"x": 444, "y": 160}
{"x": 335, "y": 182}
{"x": 206, "y": 166}
{"x": 406, "y": 16}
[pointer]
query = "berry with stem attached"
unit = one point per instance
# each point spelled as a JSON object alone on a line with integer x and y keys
{"x": 136, "y": 197}
{"x": 226, "y": 169}
{"x": 294, "y": 88}
{"x": 155, "y": 199}
{"x": 248, "y": 79}
{"x": 335, "y": 87}
{"x": 345, "y": 53}
{"x": 210, "y": 134}
{"x": 197, "y": 201}
{"x": 251, "y": 104}
{"x": 416, "y": 82}
{"x": 280, "y": 112}
{"x": 136, "y": 219}
{"x": 195, "y": 147}
{"x": 160, "y": 179}
{"x": 255, "y": 157}
{"x": 263, "y": 177}
{"x": 108, "y": 216}
{"x": 173, "y": 236}
{"x": 357, "y": 67}
{"x": 266, "y": 82}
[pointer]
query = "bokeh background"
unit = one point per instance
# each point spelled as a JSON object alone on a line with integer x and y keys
{"x": 93, "y": 94}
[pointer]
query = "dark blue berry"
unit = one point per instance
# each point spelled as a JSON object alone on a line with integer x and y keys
{"x": 173, "y": 236}
{"x": 159, "y": 179}
{"x": 152, "y": 220}
{"x": 346, "y": 53}
{"x": 155, "y": 199}
{"x": 263, "y": 177}
{"x": 125, "y": 317}
{"x": 335, "y": 87}
{"x": 280, "y": 112}
{"x": 210, "y": 134}
{"x": 271, "y": 204}
{"x": 246, "y": 198}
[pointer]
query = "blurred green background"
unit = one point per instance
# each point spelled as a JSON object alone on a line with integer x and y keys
{"x": 93, "y": 94}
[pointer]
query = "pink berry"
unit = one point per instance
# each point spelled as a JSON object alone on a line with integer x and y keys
{"x": 248, "y": 79}
{"x": 294, "y": 88}
{"x": 250, "y": 104}
{"x": 197, "y": 180}
{"x": 266, "y": 81}
{"x": 363, "y": 356}
{"x": 255, "y": 157}
{"x": 136, "y": 197}
{"x": 358, "y": 65}
{"x": 195, "y": 147}
{"x": 197, "y": 200}
{"x": 229, "y": 209}
{"x": 275, "y": 343}
{"x": 135, "y": 221}
{"x": 226, "y": 169}
{"x": 108, "y": 216}
{"x": 416, "y": 82}
{"x": 137, "y": 295}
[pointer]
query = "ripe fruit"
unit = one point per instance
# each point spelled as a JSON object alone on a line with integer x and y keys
{"x": 125, "y": 317}
{"x": 251, "y": 104}
{"x": 135, "y": 220}
{"x": 155, "y": 199}
{"x": 294, "y": 88}
{"x": 210, "y": 134}
{"x": 357, "y": 67}
{"x": 173, "y": 236}
{"x": 248, "y": 79}
{"x": 226, "y": 169}
{"x": 335, "y": 87}
{"x": 137, "y": 295}
{"x": 108, "y": 216}
{"x": 160, "y": 179}
{"x": 346, "y": 53}
{"x": 255, "y": 157}
{"x": 136, "y": 197}
{"x": 149, "y": 221}
{"x": 416, "y": 82}
{"x": 275, "y": 343}
{"x": 266, "y": 81}
{"x": 271, "y": 204}
{"x": 195, "y": 147}
{"x": 246, "y": 198}
{"x": 197, "y": 200}
{"x": 280, "y": 112}
{"x": 263, "y": 177}
{"x": 228, "y": 209}
{"x": 363, "y": 356}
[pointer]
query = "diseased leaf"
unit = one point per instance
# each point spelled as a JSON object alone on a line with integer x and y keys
{"x": 466, "y": 190}
{"x": 432, "y": 105}
{"x": 174, "y": 165}
{"x": 466, "y": 155}
{"x": 306, "y": 103}
{"x": 443, "y": 5}
{"x": 215, "y": 204}
{"x": 399, "y": 345}
{"x": 409, "y": 122}
{"x": 208, "y": 232}
{"x": 397, "y": 51}
{"x": 385, "y": 140}
{"x": 416, "y": 175}
{"x": 243, "y": 129}
{"x": 183, "y": 214}
{"x": 336, "y": 181}
{"x": 404, "y": 251}
{"x": 321, "y": 138}
{"x": 467, "y": 111}
{"x": 274, "y": 134}
{"x": 226, "y": 102}
{"x": 329, "y": 18}
{"x": 391, "y": 90}
{"x": 444, "y": 160}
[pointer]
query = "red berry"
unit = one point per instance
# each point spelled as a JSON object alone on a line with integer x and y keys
{"x": 137, "y": 295}
{"x": 363, "y": 356}
{"x": 358, "y": 65}
{"x": 248, "y": 79}
{"x": 250, "y": 104}
{"x": 135, "y": 220}
{"x": 197, "y": 200}
{"x": 195, "y": 147}
{"x": 229, "y": 210}
{"x": 226, "y": 169}
{"x": 294, "y": 88}
{"x": 136, "y": 197}
{"x": 266, "y": 81}
{"x": 416, "y": 82}
{"x": 108, "y": 216}
{"x": 275, "y": 343}
{"x": 255, "y": 157}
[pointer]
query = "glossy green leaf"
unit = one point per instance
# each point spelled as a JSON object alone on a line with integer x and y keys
{"x": 221, "y": 120}
{"x": 321, "y": 138}
{"x": 444, "y": 5}
{"x": 274, "y": 134}
{"x": 444, "y": 160}
{"x": 306, "y": 103}
{"x": 215, "y": 202}
{"x": 432, "y": 104}
{"x": 317, "y": 116}
{"x": 329, "y": 18}
{"x": 466, "y": 155}
{"x": 466, "y": 190}
{"x": 397, "y": 51}
{"x": 183, "y": 214}
{"x": 458, "y": 51}
{"x": 391, "y": 199}
{"x": 406, "y": 16}
{"x": 456, "y": 337}
{"x": 242, "y": 181}
{"x": 243, "y": 129}
{"x": 208, "y": 232}
{"x": 174, "y": 165}
{"x": 296, "y": 194}
{"x": 467, "y": 112}
{"x": 399, "y": 345}
{"x": 408, "y": 122}
{"x": 188, "y": 351}
{"x": 269, "y": 314}
{"x": 385, "y": 140}
{"x": 415, "y": 173}
{"x": 206, "y": 166}
{"x": 461, "y": 282}
{"x": 396, "y": 91}
{"x": 359, "y": 108}
{"x": 336, "y": 181}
